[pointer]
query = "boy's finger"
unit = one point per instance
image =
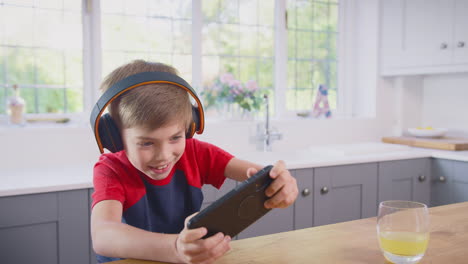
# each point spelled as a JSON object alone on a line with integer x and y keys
{"x": 188, "y": 218}
{"x": 190, "y": 235}
{"x": 277, "y": 169}
{"x": 275, "y": 186}
{"x": 213, "y": 248}
{"x": 251, "y": 172}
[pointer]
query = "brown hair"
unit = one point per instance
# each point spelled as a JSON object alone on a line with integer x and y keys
{"x": 149, "y": 106}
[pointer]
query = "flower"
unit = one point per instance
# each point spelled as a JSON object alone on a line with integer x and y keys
{"x": 228, "y": 90}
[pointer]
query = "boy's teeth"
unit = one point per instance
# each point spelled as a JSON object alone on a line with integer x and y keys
{"x": 161, "y": 167}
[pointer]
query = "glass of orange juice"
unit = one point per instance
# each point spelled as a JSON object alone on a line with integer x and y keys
{"x": 403, "y": 231}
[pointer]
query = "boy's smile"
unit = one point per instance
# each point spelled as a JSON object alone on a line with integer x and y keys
{"x": 155, "y": 152}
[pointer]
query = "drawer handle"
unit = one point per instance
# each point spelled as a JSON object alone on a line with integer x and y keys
{"x": 443, "y": 46}
{"x": 442, "y": 179}
{"x": 421, "y": 178}
{"x": 461, "y": 44}
{"x": 305, "y": 192}
{"x": 324, "y": 190}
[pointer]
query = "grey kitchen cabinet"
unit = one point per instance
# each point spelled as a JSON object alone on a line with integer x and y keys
{"x": 449, "y": 182}
{"x": 441, "y": 181}
{"x": 405, "y": 180}
{"x": 303, "y": 207}
{"x": 92, "y": 254}
{"x": 460, "y": 182}
{"x": 45, "y": 228}
{"x": 344, "y": 193}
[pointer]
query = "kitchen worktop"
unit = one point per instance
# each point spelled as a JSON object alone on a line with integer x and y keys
{"x": 79, "y": 176}
{"x": 348, "y": 243}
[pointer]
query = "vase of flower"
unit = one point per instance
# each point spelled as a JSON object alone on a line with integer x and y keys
{"x": 236, "y": 100}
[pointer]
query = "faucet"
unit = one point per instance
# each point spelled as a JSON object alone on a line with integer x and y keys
{"x": 266, "y": 135}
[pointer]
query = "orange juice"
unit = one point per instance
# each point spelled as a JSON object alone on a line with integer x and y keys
{"x": 404, "y": 243}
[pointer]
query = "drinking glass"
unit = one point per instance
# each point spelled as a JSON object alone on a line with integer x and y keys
{"x": 403, "y": 231}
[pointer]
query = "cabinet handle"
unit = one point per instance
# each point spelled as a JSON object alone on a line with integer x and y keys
{"x": 442, "y": 179}
{"x": 305, "y": 192}
{"x": 421, "y": 178}
{"x": 443, "y": 46}
{"x": 324, "y": 190}
{"x": 461, "y": 44}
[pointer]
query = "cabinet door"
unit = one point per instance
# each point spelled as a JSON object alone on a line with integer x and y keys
{"x": 427, "y": 32}
{"x": 344, "y": 193}
{"x": 416, "y": 35}
{"x": 460, "y": 182}
{"x": 45, "y": 228}
{"x": 460, "y": 37}
{"x": 303, "y": 207}
{"x": 405, "y": 180}
{"x": 442, "y": 177}
{"x": 92, "y": 254}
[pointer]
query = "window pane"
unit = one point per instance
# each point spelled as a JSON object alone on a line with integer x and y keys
{"x": 159, "y": 31}
{"x": 49, "y": 3}
{"x": 238, "y": 38}
{"x": 304, "y": 44}
{"x": 51, "y": 100}
{"x": 320, "y": 46}
{"x": 312, "y": 53}
{"x": 42, "y": 54}
{"x": 30, "y": 95}
{"x": 51, "y": 67}
{"x": 20, "y": 66}
{"x": 74, "y": 98}
{"x": 18, "y": 33}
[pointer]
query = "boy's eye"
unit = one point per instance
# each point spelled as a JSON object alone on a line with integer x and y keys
{"x": 145, "y": 144}
{"x": 176, "y": 138}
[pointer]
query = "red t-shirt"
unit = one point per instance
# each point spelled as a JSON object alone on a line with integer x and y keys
{"x": 115, "y": 178}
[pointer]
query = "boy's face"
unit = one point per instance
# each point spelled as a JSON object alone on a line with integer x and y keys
{"x": 155, "y": 152}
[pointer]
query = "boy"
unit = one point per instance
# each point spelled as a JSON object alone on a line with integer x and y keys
{"x": 145, "y": 194}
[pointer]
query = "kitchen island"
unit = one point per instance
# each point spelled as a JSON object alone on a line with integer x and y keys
{"x": 349, "y": 242}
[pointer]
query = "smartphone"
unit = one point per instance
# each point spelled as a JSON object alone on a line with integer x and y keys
{"x": 237, "y": 209}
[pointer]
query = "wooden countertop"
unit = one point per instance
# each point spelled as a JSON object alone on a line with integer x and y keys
{"x": 349, "y": 242}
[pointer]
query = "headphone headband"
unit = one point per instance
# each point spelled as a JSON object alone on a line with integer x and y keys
{"x": 134, "y": 81}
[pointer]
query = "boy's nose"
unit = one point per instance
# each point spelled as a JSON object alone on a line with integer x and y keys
{"x": 163, "y": 154}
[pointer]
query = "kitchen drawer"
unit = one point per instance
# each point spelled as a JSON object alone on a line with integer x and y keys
{"x": 28, "y": 209}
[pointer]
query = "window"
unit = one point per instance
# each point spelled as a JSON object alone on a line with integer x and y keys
{"x": 238, "y": 38}
{"x": 43, "y": 53}
{"x": 312, "y": 56}
{"x": 151, "y": 30}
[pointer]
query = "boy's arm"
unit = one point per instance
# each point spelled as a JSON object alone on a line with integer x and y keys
{"x": 113, "y": 238}
{"x": 236, "y": 169}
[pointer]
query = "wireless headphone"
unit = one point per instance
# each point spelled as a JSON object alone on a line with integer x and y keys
{"x": 106, "y": 131}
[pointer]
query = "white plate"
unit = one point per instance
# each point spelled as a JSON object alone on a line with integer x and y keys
{"x": 435, "y": 132}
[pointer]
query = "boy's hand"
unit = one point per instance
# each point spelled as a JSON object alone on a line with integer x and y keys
{"x": 192, "y": 249}
{"x": 283, "y": 190}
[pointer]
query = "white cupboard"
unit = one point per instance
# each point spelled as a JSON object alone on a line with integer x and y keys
{"x": 423, "y": 36}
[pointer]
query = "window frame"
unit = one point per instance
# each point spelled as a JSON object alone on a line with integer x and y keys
{"x": 345, "y": 47}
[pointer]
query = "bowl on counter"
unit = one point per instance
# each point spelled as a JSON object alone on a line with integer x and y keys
{"x": 427, "y": 132}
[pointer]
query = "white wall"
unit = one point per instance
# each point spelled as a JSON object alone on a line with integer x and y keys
{"x": 445, "y": 101}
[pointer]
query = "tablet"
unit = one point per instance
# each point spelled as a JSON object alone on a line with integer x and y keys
{"x": 237, "y": 209}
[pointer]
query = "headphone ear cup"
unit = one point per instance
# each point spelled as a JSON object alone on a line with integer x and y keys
{"x": 109, "y": 134}
{"x": 195, "y": 125}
